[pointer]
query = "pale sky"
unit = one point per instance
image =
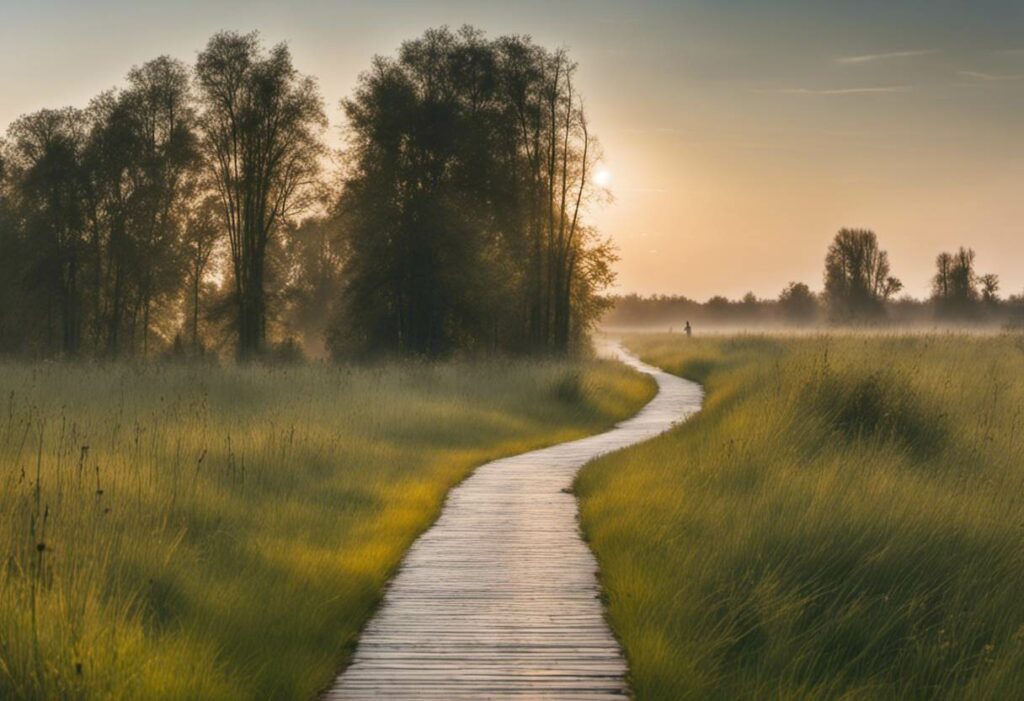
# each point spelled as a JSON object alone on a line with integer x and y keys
{"x": 740, "y": 134}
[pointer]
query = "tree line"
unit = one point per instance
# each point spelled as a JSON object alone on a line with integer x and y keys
{"x": 197, "y": 209}
{"x": 858, "y": 289}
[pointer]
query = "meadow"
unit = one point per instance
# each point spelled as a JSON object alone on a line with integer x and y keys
{"x": 843, "y": 519}
{"x": 203, "y": 532}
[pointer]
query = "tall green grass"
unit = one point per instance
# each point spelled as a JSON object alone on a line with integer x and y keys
{"x": 844, "y": 519}
{"x": 223, "y": 533}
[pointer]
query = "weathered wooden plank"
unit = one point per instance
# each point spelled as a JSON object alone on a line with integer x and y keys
{"x": 499, "y": 598}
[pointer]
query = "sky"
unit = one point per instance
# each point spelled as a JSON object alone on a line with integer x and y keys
{"x": 739, "y": 135}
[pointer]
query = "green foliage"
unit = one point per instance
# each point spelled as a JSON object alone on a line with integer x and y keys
{"x": 195, "y": 532}
{"x": 262, "y": 125}
{"x": 842, "y": 520}
{"x": 880, "y": 406}
{"x": 470, "y": 171}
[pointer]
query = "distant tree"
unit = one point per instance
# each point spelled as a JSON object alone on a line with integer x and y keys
{"x": 748, "y": 307}
{"x": 955, "y": 284}
{"x": 1015, "y": 311}
{"x": 942, "y": 281}
{"x": 989, "y": 284}
{"x": 857, "y": 279}
{"x": 261, "y": 123}
{"x": 963, "y": 278}
{"x": 315, "y": 250}
{"x": 659, "y": 311}
{"x": 718, "y": 308}
{"x": 798, "y": 304}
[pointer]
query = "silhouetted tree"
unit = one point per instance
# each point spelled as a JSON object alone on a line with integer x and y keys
{"x": 857, "y": 279}
{"x": 201, "y": 234}
{"x": 470, "y": 173}
{"x": 955, "y": 284}
{"x": 719, "y": 307}
{"x": 942, "y": 281}
{"x": 43, "y": 158}
{"x": 798, "y": 304}
{"x": 10, "y": 261}
{"x": 989, "y": 283}
{"x": 261, "y": 123}
{"x": 141, "y": 164}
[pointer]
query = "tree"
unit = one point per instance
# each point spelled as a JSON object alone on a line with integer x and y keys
{"x": 140, "y": 167}
{"x": 470, "y": 172}
{"x": 15, "y": 313}
{"x": 941, "y": 282}
{"x": 719, "y": 308}
{"x": 857, "y": 279}
{"x": 44, "y": 156}
{"x": 160, "y": 102}
{"x": 798, "y": 304}
{"x": 262, "y": 124}
{"x": 962, "y": 276}
{"x": 315, "y": 251}
{"x": 568, "y": 155}
{"x": 955, "y": 284}
{"x": 989, "y": 284}
{"x": 93, "y": 200}
{"x": 201, "y": 234}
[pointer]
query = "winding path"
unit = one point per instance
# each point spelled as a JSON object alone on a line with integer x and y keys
{"x": 499, "y": 598}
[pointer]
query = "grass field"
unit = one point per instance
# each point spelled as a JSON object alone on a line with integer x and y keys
{"x": 844, "y": 519}
{"x": 223, "y": 533}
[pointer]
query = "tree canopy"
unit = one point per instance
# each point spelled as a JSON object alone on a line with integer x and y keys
{"x": 168, "y": 213}
{"x": 857, "y": 279}
{"x": 471, "y": 164}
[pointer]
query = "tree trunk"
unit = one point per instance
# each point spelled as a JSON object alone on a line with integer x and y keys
{"x": 116, "y": 312}
{"x": 251, "y": 310}
{"x": 195, "y": 309}
{"x": 69, "y": 311}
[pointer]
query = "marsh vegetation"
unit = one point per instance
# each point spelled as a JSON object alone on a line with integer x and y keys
{"x": 841, "y": 520}
{"x": 178, "y": 531}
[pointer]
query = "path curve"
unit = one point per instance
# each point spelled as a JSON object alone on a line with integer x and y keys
{"x": 499, "y": 599}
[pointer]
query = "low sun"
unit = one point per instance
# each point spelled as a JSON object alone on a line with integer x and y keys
{"x": 603, "y": 177}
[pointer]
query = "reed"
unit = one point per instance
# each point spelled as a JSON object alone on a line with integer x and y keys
{"x": 224, "y": 532}
{"x": 842, "y": 520}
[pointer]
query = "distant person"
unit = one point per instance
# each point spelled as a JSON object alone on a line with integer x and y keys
{"x": 688, "y": 329}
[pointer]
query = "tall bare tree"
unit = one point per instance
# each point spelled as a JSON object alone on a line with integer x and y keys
{"x": 262, "y": 124}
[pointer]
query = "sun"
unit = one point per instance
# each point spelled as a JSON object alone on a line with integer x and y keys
{"x": 603, "y": 177}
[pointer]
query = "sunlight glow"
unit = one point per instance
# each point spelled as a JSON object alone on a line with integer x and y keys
{"x": 603, "y": 177}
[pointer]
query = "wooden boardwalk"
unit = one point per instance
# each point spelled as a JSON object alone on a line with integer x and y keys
{"x": 499, "y": 598}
